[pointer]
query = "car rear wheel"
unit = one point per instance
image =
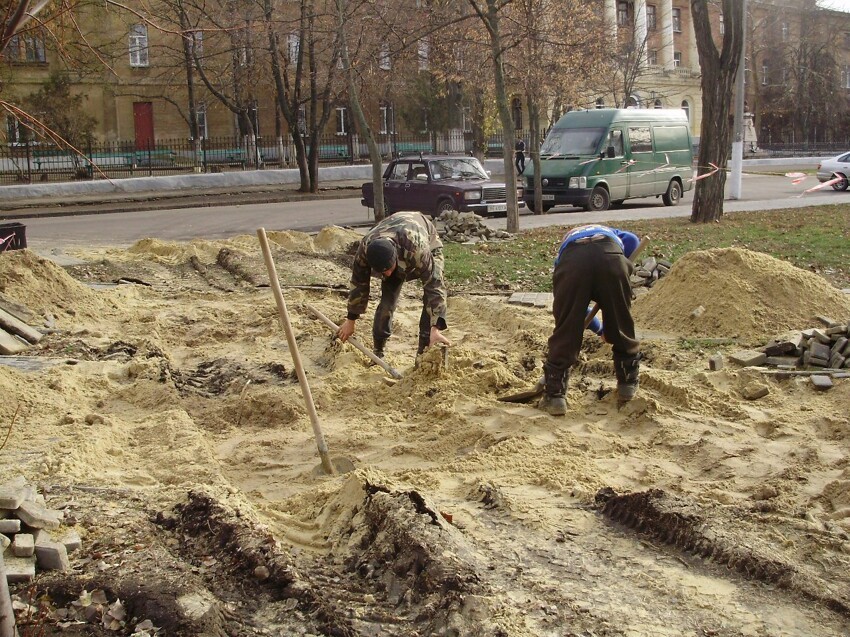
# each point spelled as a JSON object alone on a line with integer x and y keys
{"x": 673, "y": 194}
{"x": 444, "y": 205}
{"x": 599, "y": 200}
{"x": 840, "y": 185}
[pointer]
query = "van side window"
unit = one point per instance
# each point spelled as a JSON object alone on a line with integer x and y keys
{"x": 615, "y": 139}
{"x": 671, "y": 138}
{"x": 640, "y": 139}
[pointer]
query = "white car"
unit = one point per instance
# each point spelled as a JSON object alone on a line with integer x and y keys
{"x": 835, "y": 167}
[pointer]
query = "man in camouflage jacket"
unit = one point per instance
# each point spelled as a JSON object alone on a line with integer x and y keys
{"x": 400, "y": 248}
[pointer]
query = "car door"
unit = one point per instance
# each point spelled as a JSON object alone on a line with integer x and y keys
{"x": 394, "y": 182}
{"x": 418, "y": 188}
{"x": 641, "y": 161}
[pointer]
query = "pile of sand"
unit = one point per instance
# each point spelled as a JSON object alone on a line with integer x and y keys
{"x": 746, "y": 295}
{"x": 44, "y": 287}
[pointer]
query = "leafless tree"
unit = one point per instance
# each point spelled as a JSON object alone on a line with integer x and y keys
{"x": 719, "y": 69}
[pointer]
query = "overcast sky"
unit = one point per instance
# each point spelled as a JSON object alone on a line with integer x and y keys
{"x": 842, "y": 5}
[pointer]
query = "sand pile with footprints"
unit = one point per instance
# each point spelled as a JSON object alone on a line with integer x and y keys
{"x": 163, "y": 415}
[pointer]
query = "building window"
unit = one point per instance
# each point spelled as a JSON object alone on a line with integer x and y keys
{"x": 784, "y": 31}
{"x": 652, "y": 57}
{"x": 293, "y": 47}
{"x": 302, "y": 119}
{"x": 764, "y": 73}
{"x": 677, "y": 20}
{"x": 632, "y": 102}
{"x": 600, "y": 103}
{"x": 466, "y": 119}
{"x": 622, "y": 14}
{"x": 657, "y": 104}
{"x": 16, "y": 133}
{"x": 27, "y": 48}
{"x": 687, "y": 108}
{"x": 677, "y": 59}
{"x": 845, "y": 77}
{"x": 341, "y": 120}
{"x": 139, "y": 45}
{"x": 387, "y": 118}
{"x": 201, "y": 115}
{"x": 384, "y": 62}
{"x": 516, "y": 113}
{"x": 422, "y": 52}
{"x": 651, "y": 22}
{"x": 721, "y": 24}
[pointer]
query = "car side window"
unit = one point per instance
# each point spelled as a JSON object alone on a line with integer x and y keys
{"x": 640, "y": 139}
{"x": 845, "y": 157}
{"x": 419, "y": 172}
{"x": 398, "y": 172}
{"x": 615, "y": 141}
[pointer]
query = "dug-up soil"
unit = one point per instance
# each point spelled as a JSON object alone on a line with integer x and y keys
{"x": 164, "y": 416}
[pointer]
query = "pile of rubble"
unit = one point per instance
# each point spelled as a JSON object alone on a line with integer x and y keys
{"x": 648, "y": 271}
{"x": 462, "y": 227}
{"x": 821, "y": 353}
{"x": 31, "y": 533}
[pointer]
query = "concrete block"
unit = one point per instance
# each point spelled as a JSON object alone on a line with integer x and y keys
{"x": 826, "y": 321}
{"x": 71, "y": 539}
{"x": 748, "y": 357}
{"x": 821, "y": 382}
{"x": 839, "y": 345}
{"x": 837, "y": 329}
{"x": 19, "y": 569}
{"x": 37, "y": 516}
{"x": 836, "y": 361}
{"x": 819, "y": 350}
{"x": 4, "y": 542}
{"x": 782, "y": 361}
{"x": 821, "y": 337}
{"x": 24, "y": 545}
{"x": 779, "y": 348}
{"x": 818, "y": 362}
{"x": 52, "y": 556}
{"x": 10, "y": 526}
{"x": 12, "y": 493}
{"x": 715, "y": 362}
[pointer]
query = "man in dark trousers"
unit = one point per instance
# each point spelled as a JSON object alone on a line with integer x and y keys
{"x": 402, "y": 247}
{"x": 591, "y": 265}
{"x": 519, "y": 156}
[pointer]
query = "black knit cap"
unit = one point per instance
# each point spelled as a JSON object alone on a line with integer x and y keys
{"x": 381, "y": 254}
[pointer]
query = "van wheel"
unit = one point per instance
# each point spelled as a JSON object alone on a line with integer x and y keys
{"x": 840, "y": 185}
{"x": 444, "y": 205}
{"x": 673, "y": 194}
{"x": 599, "y": 200}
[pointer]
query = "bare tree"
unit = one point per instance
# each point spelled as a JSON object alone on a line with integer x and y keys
{"x": 719, "y": 70}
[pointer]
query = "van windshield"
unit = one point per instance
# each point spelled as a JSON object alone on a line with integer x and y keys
{"x": 572, "y": 141}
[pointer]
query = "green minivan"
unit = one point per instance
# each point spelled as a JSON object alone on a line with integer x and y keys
{"x": 599, "y": 158}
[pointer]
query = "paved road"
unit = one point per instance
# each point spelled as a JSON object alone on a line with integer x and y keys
{"x": 760, "y": 192}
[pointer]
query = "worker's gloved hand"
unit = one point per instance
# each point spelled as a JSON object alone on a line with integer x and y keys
{"x": 345, "y": 330}
{"x": 437, "y": 337}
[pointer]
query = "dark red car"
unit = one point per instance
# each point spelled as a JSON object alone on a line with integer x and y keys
{"x": 432, "y": 184}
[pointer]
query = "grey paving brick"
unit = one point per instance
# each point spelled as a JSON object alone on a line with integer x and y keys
{"x": 715, "y": 363}
{"x": 748, "y": 357}
{"x": 10, "y": 526}
{"x": 821, "y": 382}
{"x": 19, "y": 569}
{"x": 13, "y": 493}
{"x": 23, "y": 545}
{"x": 38, "y": 516}
{"x": 52, "y": 556}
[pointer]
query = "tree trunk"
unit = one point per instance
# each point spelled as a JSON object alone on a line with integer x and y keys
{"x": 719, "y": 70}
{"x": 491, "y": 20}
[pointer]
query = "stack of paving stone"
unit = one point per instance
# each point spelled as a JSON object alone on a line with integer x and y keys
{"x": 825, "y": 348}
{"x": 462, "y": 227}
{"x": 31, "y": 533}
{"x": 648, "y": 271}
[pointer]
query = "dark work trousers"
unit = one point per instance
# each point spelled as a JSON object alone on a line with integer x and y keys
{"x": 596, "y": 271}
{"x": 382, "y": 327}
{"x": 519, "y": 162}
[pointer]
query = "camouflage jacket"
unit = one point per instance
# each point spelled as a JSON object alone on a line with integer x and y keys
{"x": 420, "y": 256}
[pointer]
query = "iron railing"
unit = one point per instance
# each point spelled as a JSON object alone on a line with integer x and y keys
{"x": 35, "y": 161}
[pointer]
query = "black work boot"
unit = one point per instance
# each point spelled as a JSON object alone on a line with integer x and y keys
{"x": 424, "y": 342}
{"x": 627, "y": 369}
{"x": 553, "y": 401}
{"x": 379, "y": 349}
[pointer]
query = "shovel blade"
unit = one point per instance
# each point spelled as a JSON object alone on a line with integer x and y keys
{"x": 524, "y": 396}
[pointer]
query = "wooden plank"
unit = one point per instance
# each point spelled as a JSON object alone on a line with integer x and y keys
{"x": 9, "y": 344}
{"x": 16, "y": 326}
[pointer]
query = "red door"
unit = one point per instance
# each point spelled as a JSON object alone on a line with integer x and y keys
{"x": 143, "y": 124}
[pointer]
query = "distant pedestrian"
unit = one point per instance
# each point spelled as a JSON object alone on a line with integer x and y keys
{"x": 519, "y": 156}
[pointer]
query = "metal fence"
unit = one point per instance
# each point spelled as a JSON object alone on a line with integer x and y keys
{"x": 804, "y": 149}
{"x": 31, "y": 162}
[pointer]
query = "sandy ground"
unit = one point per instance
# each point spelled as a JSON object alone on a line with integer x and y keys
{"x": 164, "y": 415}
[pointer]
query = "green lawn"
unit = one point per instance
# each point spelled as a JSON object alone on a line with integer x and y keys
{"x": 815, "y": 239}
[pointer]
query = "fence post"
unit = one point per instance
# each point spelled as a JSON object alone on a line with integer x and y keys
{"x": 350, "y": 148}
{"x": 204, "y": 153}
{"x": 29, "y": 161}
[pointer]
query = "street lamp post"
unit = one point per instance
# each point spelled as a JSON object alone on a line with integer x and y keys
{"x": 738, "y": 141}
